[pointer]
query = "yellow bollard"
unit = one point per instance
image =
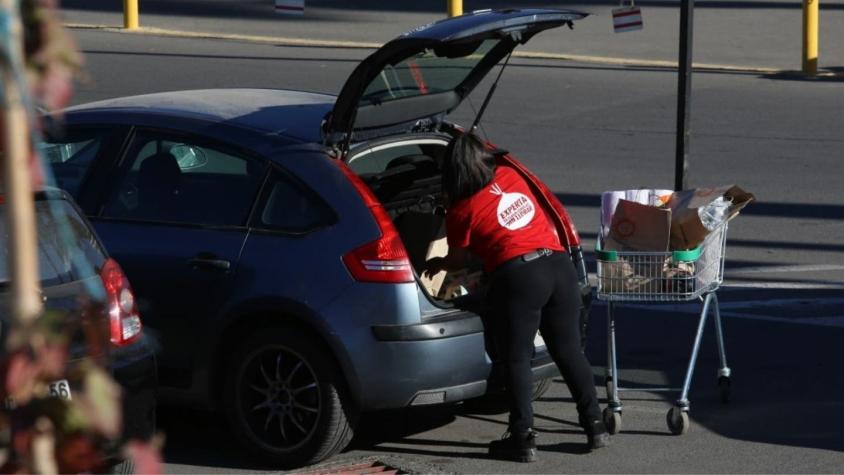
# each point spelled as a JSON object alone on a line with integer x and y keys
{"x": 130, "y": 14}
{"x": 455, "y": 8}
{"x": 810, "y": 36}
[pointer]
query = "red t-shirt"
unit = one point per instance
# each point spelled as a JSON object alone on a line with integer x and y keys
{"x": 502, "y": 221}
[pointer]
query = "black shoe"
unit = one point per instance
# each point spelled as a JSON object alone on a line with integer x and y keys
{"x": 518, "y": 448}
{"x": 596, "y": 433}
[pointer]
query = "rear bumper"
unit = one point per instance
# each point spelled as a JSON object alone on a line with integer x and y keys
{"x": 542, "y": 366}
{"x": 134, "y": 368}
{"x": 434, "y": 362}
{"x": 459, "y": 324}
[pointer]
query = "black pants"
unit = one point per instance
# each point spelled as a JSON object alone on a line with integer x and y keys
{"x": 543, "y": 295}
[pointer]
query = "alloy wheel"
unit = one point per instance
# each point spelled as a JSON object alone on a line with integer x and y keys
{"x": 280, "y": 398}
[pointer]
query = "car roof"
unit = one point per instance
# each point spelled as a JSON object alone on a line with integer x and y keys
{"x": 292, "y": 114}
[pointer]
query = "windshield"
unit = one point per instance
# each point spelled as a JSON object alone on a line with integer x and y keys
{"x": 428, "y": 72}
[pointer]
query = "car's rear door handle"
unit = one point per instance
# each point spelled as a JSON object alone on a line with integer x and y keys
{"x": 210, "y": 263}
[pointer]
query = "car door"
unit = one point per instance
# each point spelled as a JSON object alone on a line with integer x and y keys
{"x": 175, "y": 219}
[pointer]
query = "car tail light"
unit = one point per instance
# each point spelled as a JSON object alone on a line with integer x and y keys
{"x": 124, "y": 320}
{"x": 384, "y": 259}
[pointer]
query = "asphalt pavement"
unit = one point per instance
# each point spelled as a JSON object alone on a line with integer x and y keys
{"x": 740, "y": 33}
{"x": 584, "y": 128}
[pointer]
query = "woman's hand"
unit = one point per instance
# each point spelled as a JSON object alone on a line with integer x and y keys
{"x": 457, "y": 258}
{"x": 433, "y": 266}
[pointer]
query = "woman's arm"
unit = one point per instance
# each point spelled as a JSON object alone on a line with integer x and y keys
{"x": 457, "y": 258}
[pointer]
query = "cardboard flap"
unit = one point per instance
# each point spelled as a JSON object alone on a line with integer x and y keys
{"x": 739, "y": 199}
{"x": 437, "y": 248}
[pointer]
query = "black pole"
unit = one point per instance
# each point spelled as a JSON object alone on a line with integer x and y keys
{"x": 684, "y": 94}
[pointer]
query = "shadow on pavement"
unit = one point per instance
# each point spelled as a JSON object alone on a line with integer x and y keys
{"x": 819, "y": 211}
{"x": 757, "y": 208}
{"x": 378, "y": 427}
{"x": 786, "y": 382}
{"x": 202, "y": 439}
{"x": 391, "y": 432}
{"x": 824, "y": 75}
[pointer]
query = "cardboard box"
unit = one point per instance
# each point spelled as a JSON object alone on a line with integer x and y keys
{"x": 639, "y": 227}
{"x": 687, "y": 230}
{"x": 645, "y": 196}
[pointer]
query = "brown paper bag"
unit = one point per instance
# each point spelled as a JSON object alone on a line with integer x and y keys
{"x": 639, "y": 227}
{"x": 687, "y": 231}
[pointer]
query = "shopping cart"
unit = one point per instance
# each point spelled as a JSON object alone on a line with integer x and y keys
{"x": 664, "y": 277}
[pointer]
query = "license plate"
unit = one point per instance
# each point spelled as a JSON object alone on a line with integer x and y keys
{"x": 60, "y": 389}
{"x": 538, "y": 342}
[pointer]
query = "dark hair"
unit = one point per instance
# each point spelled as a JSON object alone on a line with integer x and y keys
{"x": 468, "y": 167}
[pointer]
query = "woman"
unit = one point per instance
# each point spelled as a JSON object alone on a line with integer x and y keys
{"x": 499, "y": 212}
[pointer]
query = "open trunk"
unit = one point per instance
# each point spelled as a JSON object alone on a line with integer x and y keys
{"x": 406, "y": 179}
{"x": 409, "y": 86}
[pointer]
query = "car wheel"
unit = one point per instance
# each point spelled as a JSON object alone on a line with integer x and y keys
{"x": 286, "y": 400}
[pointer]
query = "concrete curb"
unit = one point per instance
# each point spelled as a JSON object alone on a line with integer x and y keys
{"x": 317, "y": 43}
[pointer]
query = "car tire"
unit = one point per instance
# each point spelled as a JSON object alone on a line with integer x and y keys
{"x": 285, "y": 399}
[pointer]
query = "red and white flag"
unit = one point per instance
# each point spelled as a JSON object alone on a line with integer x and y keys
{"x": 626, "y": 19}
{"x": 290, "y": 7}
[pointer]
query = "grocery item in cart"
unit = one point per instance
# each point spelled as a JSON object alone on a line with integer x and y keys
{"x": 678, "y": 277}
{"x": 662, "y": 276}
{"x": 646, "y": 274}
{"x": 687, "y": 228}
{"x": 714, "y": 214}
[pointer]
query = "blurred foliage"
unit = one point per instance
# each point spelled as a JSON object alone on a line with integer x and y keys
{"x": 41, "y": 431}
{"x": 50, "y": 54}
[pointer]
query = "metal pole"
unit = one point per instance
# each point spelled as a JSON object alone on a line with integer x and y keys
{"x": 684, "y": 94}
{"x": 130, "y": 14}
{"x": 25, "y": 302}
{"x": 455, "y": 8}
{"x": 810, "y": 36}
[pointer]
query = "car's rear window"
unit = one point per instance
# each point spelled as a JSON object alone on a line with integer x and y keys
{"x": 423, "y": 73}
{"x": 65, "y": 253}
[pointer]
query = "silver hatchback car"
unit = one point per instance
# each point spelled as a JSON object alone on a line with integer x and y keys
{"x": 274, "y": 238}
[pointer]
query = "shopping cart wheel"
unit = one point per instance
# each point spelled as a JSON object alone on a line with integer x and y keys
{"x": 612, "y": 420}
{"x": 678, "y": 421}
{"x": 724, "y": 388}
